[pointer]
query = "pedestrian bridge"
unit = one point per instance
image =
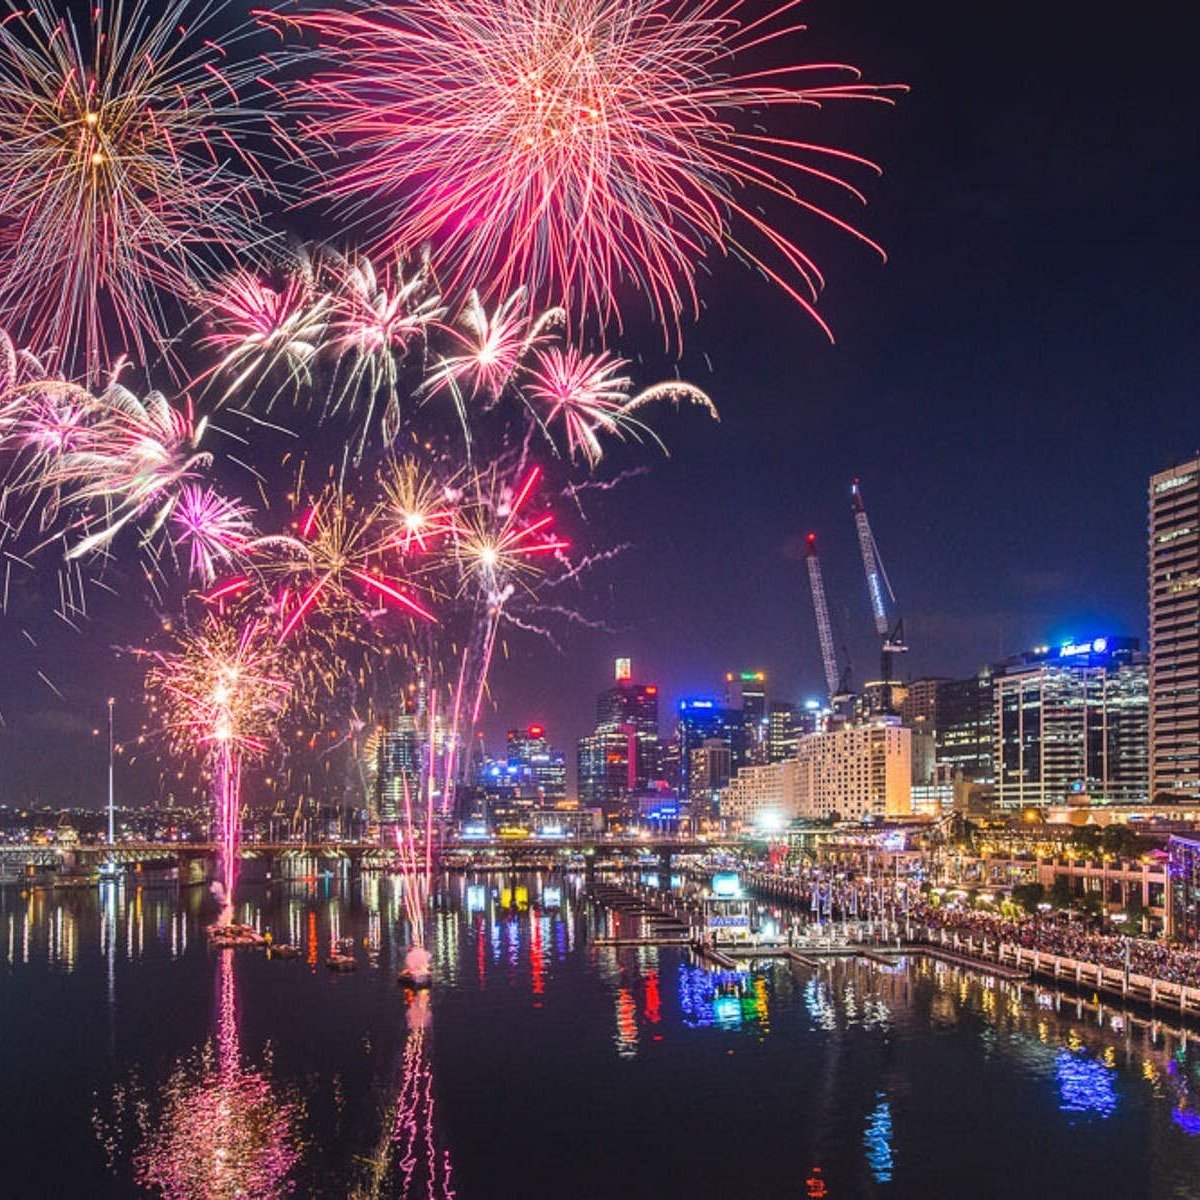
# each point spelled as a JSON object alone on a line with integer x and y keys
{"x": 82, "y": 857}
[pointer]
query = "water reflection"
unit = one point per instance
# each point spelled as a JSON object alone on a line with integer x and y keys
{"x": 726, "y": 999}
{"x": 222, "y": 1131}
{"x": 410, "y": 1160}
{"x": 388, "y": 1105}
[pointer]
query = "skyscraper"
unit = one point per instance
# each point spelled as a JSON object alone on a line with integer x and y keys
{"x": 620, "y": 758}
{"x": 1175, "y": 631}
{"x": 965, "y": 716}
{"x": 783, "y": 730}
{"x": 702, "y": 719}
{"x": 918, "y": 709}
{"x": 710, "y": 769}
{"x": 531, "y": 777}
{"x": 746, "y": 692}
{"x": 1072, "y": 721}
{"x": 398, "y": 772}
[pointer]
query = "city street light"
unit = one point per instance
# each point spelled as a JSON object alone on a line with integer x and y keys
{"x": 112, "y": 866}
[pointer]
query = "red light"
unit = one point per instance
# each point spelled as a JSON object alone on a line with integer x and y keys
{"x": 536, "y": 731}
{"x": 652, "y": 690}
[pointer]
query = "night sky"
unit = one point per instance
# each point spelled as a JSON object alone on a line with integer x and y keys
{"x": 1003, "y": 386}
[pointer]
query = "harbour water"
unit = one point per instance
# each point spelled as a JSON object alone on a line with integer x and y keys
{"x": 136, "y": 1061}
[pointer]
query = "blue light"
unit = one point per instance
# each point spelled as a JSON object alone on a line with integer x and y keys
{"x": 877, "y": 1140}
{"x": 728, "y": 1012}
{"x": 1084, "y": 1085}
{"x": 1189, "y": 1122}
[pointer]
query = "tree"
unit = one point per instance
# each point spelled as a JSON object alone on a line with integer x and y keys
{"x": 1060, "y": 893}
{"x": 1028, "y": 896}
{"x": 1121, "y": 841}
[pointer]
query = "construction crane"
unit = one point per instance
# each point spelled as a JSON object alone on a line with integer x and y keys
{"x": 837, "y": 685}
{"x": 888, "y": 622}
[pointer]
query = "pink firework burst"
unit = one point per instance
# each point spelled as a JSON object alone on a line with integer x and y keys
{"x": 336, "y": 567}
{"x": 579, "y": 144}
{"x": 588, "y": 395}
{"x": 216, "y": 532}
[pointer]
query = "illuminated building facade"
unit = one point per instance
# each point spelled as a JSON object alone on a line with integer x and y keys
{"x": 531, "y": 778}
{"x": 783, "y": 731}
{"x": 398, "y": 770}
{"x": 919, "y": 708}
{"x": 1183, "y": 889}
{"x": 964, "y": 739}
{"x": 702, "y": 719}
{"x": 1175, "y": 631}
{"x": 710, "y": 769}
{"x": 850, "y": 773}
{"x": 619, "y": 760}
{"x": 763, "y": 796}
{"x": 856, "y": 772}
{"x": 1072, "y": 721}
{"x": 746, "y": 693}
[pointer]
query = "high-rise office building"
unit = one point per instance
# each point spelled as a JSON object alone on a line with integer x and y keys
{"x": 398, "y": 771}
{"x": 619, "y": 760}
{"x": 746, "y": 693}
{"x": 710, "y": 769}
{"x": 918, "y": 709}
{"x": 1072, "y": 721}
{"x": 964, "y": 737}
{"x": 783, "y": 730}
{"x": 1175, "y": 631}
{"x": 531, "y": 777}
{"x": 702, "y": 719}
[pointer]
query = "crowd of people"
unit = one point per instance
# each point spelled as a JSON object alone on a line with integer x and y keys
{"x": 1070, "y": 939}
{"x": 837, "y": 896}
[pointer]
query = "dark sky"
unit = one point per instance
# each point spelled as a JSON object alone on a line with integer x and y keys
{"x": 1003, "y": 385}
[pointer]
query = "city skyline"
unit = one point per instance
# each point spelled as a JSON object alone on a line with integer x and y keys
{"x": 1003, "y": 430}
{"x": 633, "y": 554}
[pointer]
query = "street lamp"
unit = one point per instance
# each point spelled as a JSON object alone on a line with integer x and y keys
{"x": 111, "y": 702}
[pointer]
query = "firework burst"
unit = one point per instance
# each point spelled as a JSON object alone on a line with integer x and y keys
{"x": 497, "y": 543}
{"x": 335, "y": 567}
{"x": 219, "y": 694}
{"x": 257, "y": 329}
{"x": 217, "y": 533}
{"x": 376, "y": 316}
{"x": 129, "y": 460}
{"x": 125, "y": 161}
{"x": 488, "y": 347}
{"x": 418, "y": 508}
{"x": 576, "y": 145}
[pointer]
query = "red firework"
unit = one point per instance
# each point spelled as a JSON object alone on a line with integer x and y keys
{"x": 576, "y": 144}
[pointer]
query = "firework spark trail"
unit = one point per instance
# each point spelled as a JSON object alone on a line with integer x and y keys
{"x": 376, "y": 317}
{"x": 335, "y": 565}
{"x": 573, "y": 145}
{"x": 488, "y": 347}
{"x": 219, "y": 695}
{"x": 127, "y": 166}
{"x": 216, "y": 532}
